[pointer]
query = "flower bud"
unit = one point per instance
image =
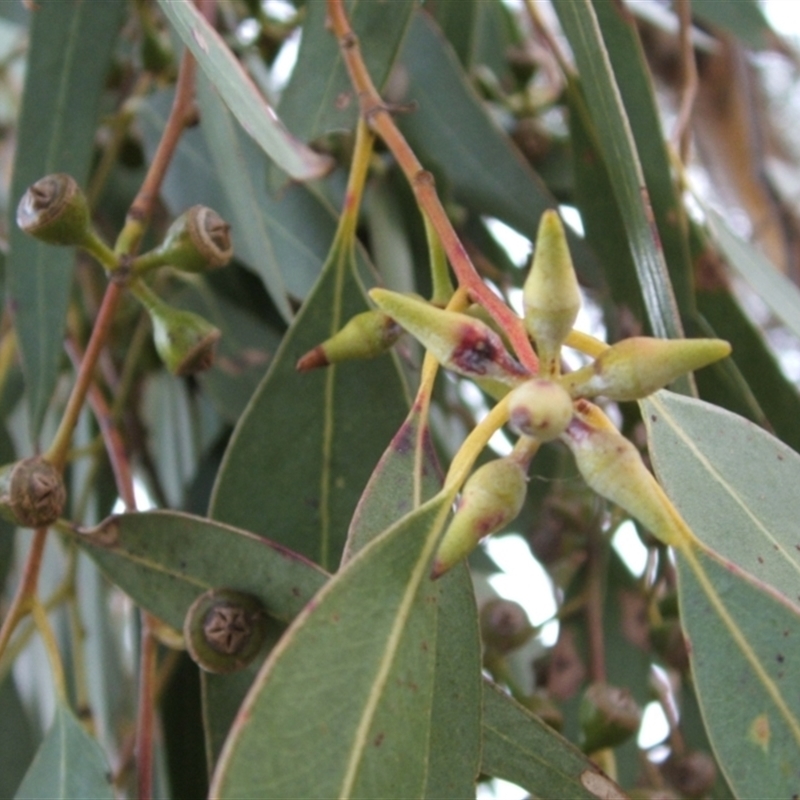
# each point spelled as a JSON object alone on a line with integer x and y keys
{"x": 459, "y": 342}
{"x": 504, "y": 625}
{"x": 224, "y": 630}
{"x": 693, "y": 773}
{"x": 541, "y": 704}
{"x": 539, "y": 408}
{"x": 366, "y": 335}
{"x": 32, "y": 492}
{"x": 608, "y": 716}
{"x": 612, "y": 466}
{"x": 199, "y": 239}
{"x": 54, "y": 210}
{"x": 185, "y": 341}
{"x": 639, "y": 366}
{"x": 551, "y": 297}
{"x": 491, "y": 498}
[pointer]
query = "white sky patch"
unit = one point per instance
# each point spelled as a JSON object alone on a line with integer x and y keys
{"x": 630, "y": 548}
{"x": 144, "y": 500}
{"x": 654, "y": 728}
{"x": 515, "y": 244}
{"x": 497, "y": 789}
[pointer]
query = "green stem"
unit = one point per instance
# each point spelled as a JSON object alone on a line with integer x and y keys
{"x": 440, "y": 273}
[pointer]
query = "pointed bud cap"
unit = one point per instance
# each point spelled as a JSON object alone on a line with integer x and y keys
{"x": 539, "y": 408}
{"x": 491, "y": 498}
{"x": 458, "y": 342}
{"x": 639, "y": 366}
{"x": 366, "y": 335}
{"x": 551, "y": 297}
{"x": 608, "y": 717}
{"x": 199, "y": 239}
{"x": 32, "y": 492}
{"x": 54, "y": 210}
{"x": 612, "y": 466}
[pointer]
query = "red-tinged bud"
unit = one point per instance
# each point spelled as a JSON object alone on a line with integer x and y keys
{"x": 54, "y": 210}
{"x": 491, "y": 498}
{"x": 639, "y": 366}
{"x": 613, "y": 467}
{"x": 459, "y": 342}
{"x": 539, "y": 408}
{"x": 198, "y": 240}
{"x": 608, "y": 717}
{"x": 551, "y": 297}
{"x": 366, "y": 335}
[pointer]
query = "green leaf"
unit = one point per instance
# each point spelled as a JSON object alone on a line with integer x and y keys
{"x": 614, "y": 135}
{"x": 240, "y": 94}
{"x": 519, "y": 747}
{"x": 17, "y": 737}
{"x": 744, "y": 19}
{"x": 453, "y": 133}
{"x": 319, "y": 97}
{"x": 326, "y": 722}
{"x": 165, "y": 559}
{"x": 56, "y": 130}
{"x": 69, "y": 765}
{"x": 774, "y": 288}
{"x": 734, "y": 484}
{"x": 744, "y": 646}
{"x": 308, "y": 442}
{"x": 458, "y": 22}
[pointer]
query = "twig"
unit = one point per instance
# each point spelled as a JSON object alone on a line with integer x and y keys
{"x": 682, "y": 133}
{"x": 594, "y": 607}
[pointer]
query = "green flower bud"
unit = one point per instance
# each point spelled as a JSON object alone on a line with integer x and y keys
{"x": 612, "y": 466}
{"x": 539, "y": 408}
{"x": 54, "y": 210}
{"x": 185, "y": 341}
{"x": 199, "y": 239}
{"x": 32, "y": 492}
{"x": 225, "y": 630}
{"x": 459, "y": 342}
{"x": 551, "y": 297}
{"x": 366, "y": 335}
{"x": 639, "y": 366}
{"x": 608, "y": 716}
{"x": 541, "y": 704}
{"x": 491, "y": 498}
{"x": 504, "y": 625}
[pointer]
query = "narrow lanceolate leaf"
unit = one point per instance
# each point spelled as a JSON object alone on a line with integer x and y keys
{"x": 69, "y": 764}
{"x": 519, "y": 747}
{"x": 407, "y": 475}
{"x": 165, "y": 559}
{"x": 243, "y": 189}
{"x": 240, "y": 94}
{"x": 305, "y": 447}
{"x": 56, "y": 134}
{"x": 749, "y": 506}
{"x": 320, "y": 98}
{"x": 744, "y": 646}
{"x": 312, "y": 727}
{"x": 619, "y": 152}
{"x": 17, "y": 736}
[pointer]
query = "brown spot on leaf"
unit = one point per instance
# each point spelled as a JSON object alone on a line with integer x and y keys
{"x": 760, "y": 732}
{"x": 600, "y": 786}
{"x": 378, "y": 741}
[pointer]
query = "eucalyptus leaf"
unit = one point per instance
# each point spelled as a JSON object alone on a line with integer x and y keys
{"x": 17, "y": 737}
{"x": 165, "y": 559}
{"x": 519, "y": 747}
{"x": 240, "y": 93}
{"x": 68, "y": 765}
{"x": 744, "y": 19}
{"x": 305, "y": 447}
{"x": 63, "y": 89}
{"x": 310, "y": 729}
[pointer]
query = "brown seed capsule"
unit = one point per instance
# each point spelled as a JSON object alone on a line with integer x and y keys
{"x": 54, "y": 210}
{"x": 225, "y": 630}
{"x": 693, "y": 774}
{"x": 504, "y": 625}
{"x": 32, "y": 492}
{"x": 539, "y": 408}
{"x": 608, "y": 716}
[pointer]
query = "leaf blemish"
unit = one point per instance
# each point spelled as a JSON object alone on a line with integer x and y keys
{"x": 378, "y": 739}
{"x": 601, "y": 786}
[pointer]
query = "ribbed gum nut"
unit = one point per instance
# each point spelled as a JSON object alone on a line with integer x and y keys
{"x": 639, "y": 366}
{"x": 366, "y": 335}
{"x": 693, "y": 773}
{"x": 224, "y": 630}
{"x": 199, "y": 239}
{"x": 608, "y": 716}
{"x": 33, "y": 492}
{"x": 185, "y": 341}
{"x": 54, "y": 210}
{"x": 491, "y": 498}
{"x": 504, "y": 625}
{"x": 459, "y": 342}
{"x": 539, "y": 408}
{"x": 612, "y": 466}
{"x": 551, "y": 297}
